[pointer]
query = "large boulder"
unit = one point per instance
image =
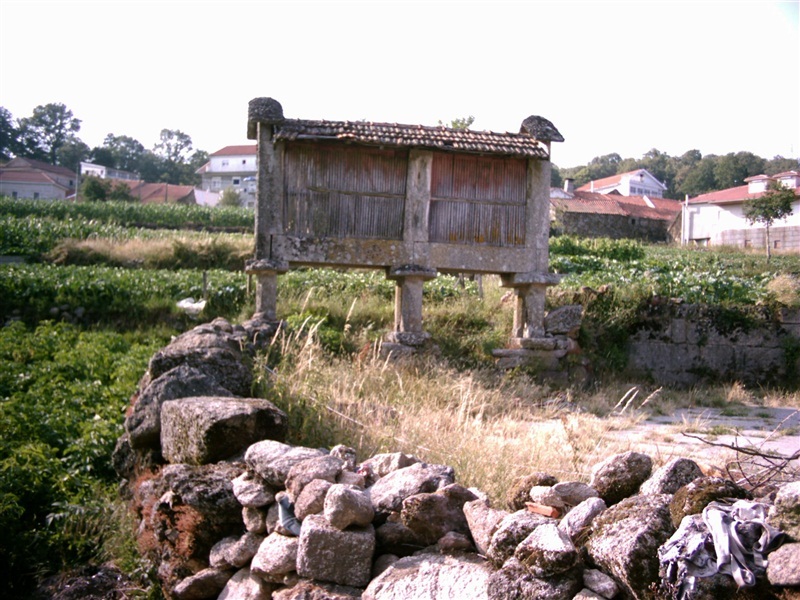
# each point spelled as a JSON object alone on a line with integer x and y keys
{"x": 272, "y": 460}
{"x": 510, "y": 533}
{"x": 204, "y": 430}
{"x": 483, "y": 521}
{"x": 692, "y": 498}
{"x": 672, "y": 476}
{"x": 207, "y": 583}
{"x": 325, "y": 467}
{"x": 577, "y": 522}
{"x": 515, "y": 582}
{"x": 785, "y": 512}
{"x": 625, "y": 540}
{"x": 316, "y": 590}
{"x": 244, "y": 585}
{"x": 144, "y": 421}
{"x": 620, "y": 476}
{"x": 347, "y": 505}
{"x": 185, "y": 510}
{"x": 326, "y": 553}
{"x": 431, "y": 516}
{"x": 432, "y": 576}
{"x": 547, "y": 552}
{"x": 388, "y": 492}
{"x": 210, "y": 350}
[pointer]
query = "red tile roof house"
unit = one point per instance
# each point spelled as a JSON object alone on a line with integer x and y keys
{"x": 612, "y": 215}
{"x": 29, "y": 178}
{"x": 717, "y": 218}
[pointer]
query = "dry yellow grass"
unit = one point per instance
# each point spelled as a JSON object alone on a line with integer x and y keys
{"x": 491, "y": 428}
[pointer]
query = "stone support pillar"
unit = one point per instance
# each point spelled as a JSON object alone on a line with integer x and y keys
{"x": 409, "y": 280}
{"x": 530, "y": 290}
{"x": 266, "y": 272}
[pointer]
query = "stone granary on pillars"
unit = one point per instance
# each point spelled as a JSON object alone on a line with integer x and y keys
{"x": 413, "y": 200}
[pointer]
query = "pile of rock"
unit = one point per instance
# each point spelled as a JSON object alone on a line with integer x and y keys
{"x": 227, "y": 510}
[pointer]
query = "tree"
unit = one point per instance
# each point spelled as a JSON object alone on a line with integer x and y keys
{"x": 8, "y": 134}
{"x": 124, "y": 152}
{"x": 774, "y": 205}
{"x": 230, "y": 197}
{"x": 779, "y": 164}
{"x": 95, "y": 189}
{"x": 72, "y": 152}
{"x": 49, "y": 128}
{"x": 459, "y": 123}
{"x": 175, "y": 150}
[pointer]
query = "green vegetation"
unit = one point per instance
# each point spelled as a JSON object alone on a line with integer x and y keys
{"x": 129, "y": 214}
{"x": 63, "y": 395}
{"x": 81, "y": 325}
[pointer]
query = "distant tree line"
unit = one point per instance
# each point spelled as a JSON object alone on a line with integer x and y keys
{"x": 50, "y": 135}
{"x": 691, "y": 173}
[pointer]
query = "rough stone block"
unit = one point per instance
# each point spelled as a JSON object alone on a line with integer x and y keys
{"x": 203, "y": 430}
{"x": 328, "y": 554}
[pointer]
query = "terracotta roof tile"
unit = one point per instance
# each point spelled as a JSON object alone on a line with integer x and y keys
{"x": 246, "y": 149}
{"x": 663, "y": 209}
{"x": 413, "y": 136}
{"x": 729, "y": 196}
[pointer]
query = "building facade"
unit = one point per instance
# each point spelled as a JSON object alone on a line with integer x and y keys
{"x": 717, "y": 218}
{"x": 29, "y": 178}
{"x": 633, "y": 183}
{"x": 232, "y": 167}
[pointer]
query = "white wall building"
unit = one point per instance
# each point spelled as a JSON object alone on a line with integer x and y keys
{"x": 232, "y": 167}
{"x": 717, "y": 218}
{"x": 633, "y": 183}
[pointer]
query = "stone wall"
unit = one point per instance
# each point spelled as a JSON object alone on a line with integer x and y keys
{"x": 683, "y": 345}
{"x": 226, "y": 510}
{"x": 613, "y": 226}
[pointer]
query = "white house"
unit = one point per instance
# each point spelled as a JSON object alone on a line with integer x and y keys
{"x": 717, "y": 218}
{"x": 633, "y": 183}
{"x": 29, "y": 178}
{"x": 104, "y": 172}
{"x": 232, "y": 167}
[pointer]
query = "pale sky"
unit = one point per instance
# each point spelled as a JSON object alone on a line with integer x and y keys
{"x": 620, "y": 77}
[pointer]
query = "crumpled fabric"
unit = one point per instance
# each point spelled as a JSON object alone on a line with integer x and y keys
{"x": 727, "y": 538}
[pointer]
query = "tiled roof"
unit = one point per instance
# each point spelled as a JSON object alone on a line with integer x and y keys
{"x": 30, "y": 163}
{"x": 157, "y": 193}
{"x": 28, "y": 176}
{"x": 729, "y": 196}
{"x": 247, "y": 149}
{"x": 613, "y": 180}
{"x": 663, "y": 209}
{"x": 601, "y": 183}
{"x": 413, "y": 136}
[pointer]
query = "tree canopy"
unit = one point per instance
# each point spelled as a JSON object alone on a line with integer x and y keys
{"x": 774, "y": 205}
{"x": 689, "y": 174}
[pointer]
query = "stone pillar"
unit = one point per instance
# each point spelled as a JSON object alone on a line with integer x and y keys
{"x": 530, "y": 291}
{"x": 266, "y": 272}
{"x": 263, "y": 115}
{"x": 409, "y": 280}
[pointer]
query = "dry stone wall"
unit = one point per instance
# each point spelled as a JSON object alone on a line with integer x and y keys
{"x": 687, "y": 344}
{"x": 227, "y": 510}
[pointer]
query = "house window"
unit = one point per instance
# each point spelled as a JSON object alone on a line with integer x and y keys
{"x": 216, "y": 183}
{"x": 236, "y": 181}
{"x": 224, "y": 163}
{"x": 35, "y": 195}
{"x": 14, "y": 195}
{"x": 748, "y": 243}
{"x": 244, "y": 161}
{"x": 776, "y": 244}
